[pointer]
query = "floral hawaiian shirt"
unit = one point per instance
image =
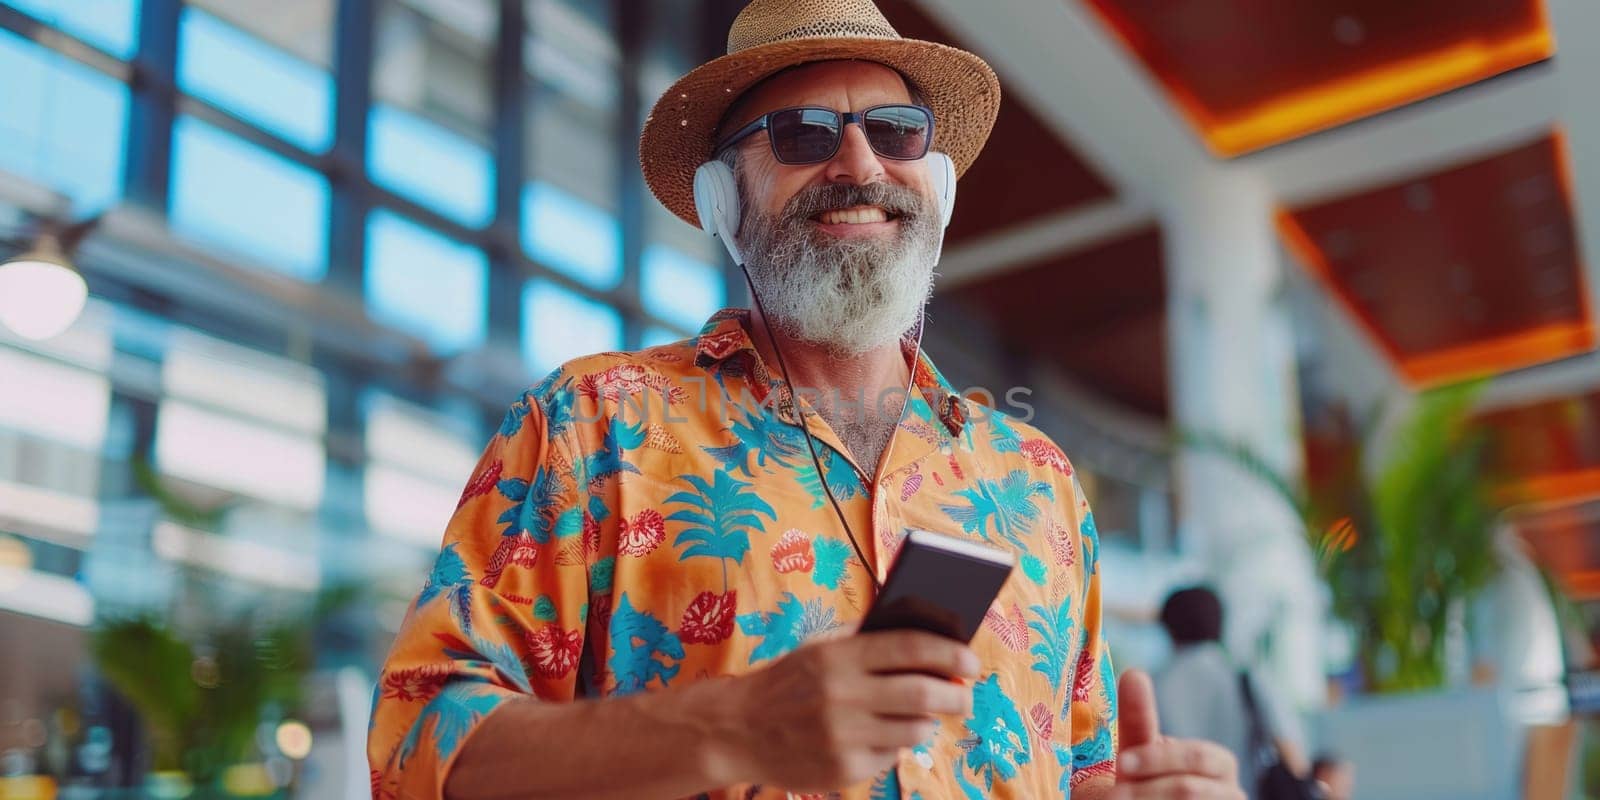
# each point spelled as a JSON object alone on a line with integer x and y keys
{"x": 644, "y": 520}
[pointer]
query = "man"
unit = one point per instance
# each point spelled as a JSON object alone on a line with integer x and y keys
{"x": 650, "y": 535}
{"x": 1198, "y": 692}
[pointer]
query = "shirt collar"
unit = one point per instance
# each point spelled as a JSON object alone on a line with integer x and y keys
{"x": 725, "y": 339}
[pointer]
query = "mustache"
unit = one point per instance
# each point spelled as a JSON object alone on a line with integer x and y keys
{"x": 899, "y": 201}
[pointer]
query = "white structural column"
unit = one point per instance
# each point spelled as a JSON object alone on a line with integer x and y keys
{"x": 1577, "y": 27}
{"x": 1232, "y": 374}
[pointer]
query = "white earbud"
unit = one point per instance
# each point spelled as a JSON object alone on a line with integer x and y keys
{"x": 716, "y": 198}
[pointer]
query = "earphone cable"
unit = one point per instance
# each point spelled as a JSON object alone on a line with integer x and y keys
{"x": 805, "y": 432}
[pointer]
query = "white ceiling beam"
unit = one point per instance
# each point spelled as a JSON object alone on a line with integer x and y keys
{"x": 1067, "y": 68}
{"x": 1577, "y": 25}
{"x": 1026, "y": 243}
{"x": 1418, "y": 140}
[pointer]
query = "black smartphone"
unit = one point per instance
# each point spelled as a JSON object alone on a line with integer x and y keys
{"x": 939, "y": 584}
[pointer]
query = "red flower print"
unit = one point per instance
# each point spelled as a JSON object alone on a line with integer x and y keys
{"x": 910, "y": 487}
{"x": 1042, "y": 721}
{"x": 1010, "y": 628}
{"x": 955, "y": 468}
{"x": 1061, "y": 543}
{"x": 378, "y": 790}
{"x": 642, "y": 534}
{"x": 416, "y": 683}
{"x": 708, "y": 619}
{"x": 939, "y": 479}
{"x": 720, "y": 344}
{"x": 1080, "y": 686}
{"x": 513, "y": 551}
{"x": 554, "y": 651}
{"x": 1044, "y": 453}
{"x": 793, "y": 553}
{"x": 591, "y": 535}
{"x": 481, "y": 483}
{"x": 630, "y": 380}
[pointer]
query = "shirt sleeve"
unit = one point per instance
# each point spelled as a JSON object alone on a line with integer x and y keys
{"x": 1093, "y": 703}
{"x": 502, "y": 613}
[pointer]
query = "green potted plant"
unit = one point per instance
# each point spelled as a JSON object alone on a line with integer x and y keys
{"x": 1402, "y": 543}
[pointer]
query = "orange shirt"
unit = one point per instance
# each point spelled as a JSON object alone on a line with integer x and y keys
{"x": 645, "y": 520}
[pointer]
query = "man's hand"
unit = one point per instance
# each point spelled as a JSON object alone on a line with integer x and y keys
{"x": 1153, "y": 767}
{"x": 836, "y": 713}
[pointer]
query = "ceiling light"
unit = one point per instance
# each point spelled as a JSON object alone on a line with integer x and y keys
{"x": 41, "y": 292}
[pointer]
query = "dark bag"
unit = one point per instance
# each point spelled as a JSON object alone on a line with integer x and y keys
{"x": 1274, "y": 780}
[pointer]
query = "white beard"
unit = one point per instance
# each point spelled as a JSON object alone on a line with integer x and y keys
{"x": 846, "y": 295}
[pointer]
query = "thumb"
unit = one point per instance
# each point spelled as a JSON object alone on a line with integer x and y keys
{"x": 1137, "y": 723}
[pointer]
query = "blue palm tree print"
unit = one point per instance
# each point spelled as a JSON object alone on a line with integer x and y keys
{"x": 534, "y": 506}
{"x": 720, "y": 516}
{"x": 1052, "y": 653}
{"x": 763, "y": 435}
{"x": 608, "y": 460}
{"x": 998, "y": 737}
{"x": 780, "y": 631}
{"x": 1007, "y": 506}
{"x": 642, "y": 649}
{"x": 450, "y": 715}
{"x": 832, "y": 555}
{"x": 450, "y": 579}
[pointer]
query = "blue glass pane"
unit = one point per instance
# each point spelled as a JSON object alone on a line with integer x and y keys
{"x": 558, "y": 324}
{"x": 107, "y": 24}
{"x": 430, "y": 164}
{"x": 62, "y": 124}
{"x": 680, "y": 289}
{"x": 426, "y": 284}
{"x": 248, "y": 200}
{"x": 571, "y": 236}
{"x": 655, "y": 334}
{"x": 256, "y": 81}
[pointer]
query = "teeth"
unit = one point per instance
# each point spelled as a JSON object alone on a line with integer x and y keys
{"x": 854, "y": 216}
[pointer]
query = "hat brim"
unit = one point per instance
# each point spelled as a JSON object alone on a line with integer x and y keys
{"x": 961, "y": 89}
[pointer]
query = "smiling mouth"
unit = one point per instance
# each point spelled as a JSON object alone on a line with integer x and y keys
{"x": 856, "y": 215}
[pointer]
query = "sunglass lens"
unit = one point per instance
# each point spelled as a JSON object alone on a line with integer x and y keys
{"x": 898, "y": 131}
{"x": 804, "y": 135}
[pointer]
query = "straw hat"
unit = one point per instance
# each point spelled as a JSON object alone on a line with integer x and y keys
{"x": 771, "y": 35}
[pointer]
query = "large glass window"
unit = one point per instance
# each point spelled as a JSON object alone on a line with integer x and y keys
{"x": 242, "y": 421}
{"x": 418, "y": 460}
{"x": 420, "y": 281}
{"x": 62, "y": 124}
{"x": 679, "y": 288}
{"x": 570, "y": 208}
{"x": 269, "y": 66}
{"x": 558, "y": 324}
{"x": 110, "y": 25}
{"x": 428, "y": 132}
{"x": 240, "y": 197}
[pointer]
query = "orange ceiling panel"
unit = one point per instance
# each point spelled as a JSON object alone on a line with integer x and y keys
{"x": 1566, "y": 542}
{"x": 1548, "y": 451}
{"x": 1253, "y": 73}
{"x": 1470, "y": 271}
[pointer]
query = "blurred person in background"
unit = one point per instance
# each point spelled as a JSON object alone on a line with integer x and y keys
{"x": 1199, "y": 693}
{"x": 691, "y": 570}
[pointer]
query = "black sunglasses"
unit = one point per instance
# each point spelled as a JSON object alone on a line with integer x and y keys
{"x": 811, "y": 134}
